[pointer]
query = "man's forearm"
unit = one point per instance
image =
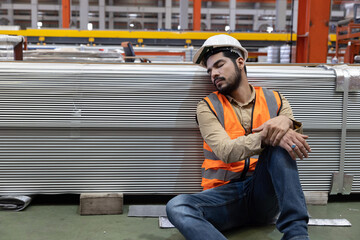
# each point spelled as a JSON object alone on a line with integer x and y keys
{"x": 238, "y": 149}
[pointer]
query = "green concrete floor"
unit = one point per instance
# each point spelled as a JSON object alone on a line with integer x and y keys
{"x": 52, "y": 220}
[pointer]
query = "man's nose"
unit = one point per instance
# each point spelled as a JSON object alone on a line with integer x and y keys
{"x": 214, "y": 74}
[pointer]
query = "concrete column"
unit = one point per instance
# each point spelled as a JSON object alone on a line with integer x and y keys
{"x": 168, "y": 6}
{"x": 101, "y": 14}
{"x": 280, "y": 23}
{"x": 111, "y": 16}
{"x": 10, "y": 11}
{"x": 84, "y": 14}
{"x": 184, "y": 16}
{"x": 208, "y": 15}
{"x": 232, "y": 14}
{"x": 34, "y": 13}
{"x": 295, "y": 17}
{"x": 256, "y": 17}
{"x": 60, "y": 15}
{"x": 160, "y": 16}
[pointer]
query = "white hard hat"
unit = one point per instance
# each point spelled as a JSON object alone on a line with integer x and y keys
{"x": 223, "y": 41}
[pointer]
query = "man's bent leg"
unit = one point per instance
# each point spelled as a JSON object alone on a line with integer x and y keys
{"x": 276, "y": 186}
{"x": 203, "y": 215}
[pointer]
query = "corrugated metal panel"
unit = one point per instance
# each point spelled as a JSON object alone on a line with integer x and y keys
{"x": 95, "y": 95}
{"x": 352, "y": 153}
{"x": 354, "y": 110}
{"x": 316, "y": 171}
{"x": 126, "y": 128}
{"x": 352, "y": 163}
{"x": 50, "y": 161}
{"x": 130, "y": 128}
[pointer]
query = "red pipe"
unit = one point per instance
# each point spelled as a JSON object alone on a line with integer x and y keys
{"x": 197, "y": 15}
{"x": 65, "y": 13}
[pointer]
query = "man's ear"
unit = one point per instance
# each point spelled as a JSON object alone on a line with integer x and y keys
{"x": 240, "y": 62}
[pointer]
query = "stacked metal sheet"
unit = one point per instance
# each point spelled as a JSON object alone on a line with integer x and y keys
{"x": 101, "y": 54}
{"x": 73, "y": 128}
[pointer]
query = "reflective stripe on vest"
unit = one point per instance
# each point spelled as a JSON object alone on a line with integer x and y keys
{"x": 271, "y": 102}
{"x": 216, "y": 172}
{"x": 222, "y": 174}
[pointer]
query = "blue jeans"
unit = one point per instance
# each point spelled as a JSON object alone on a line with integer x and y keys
{"x": 274, "y": 188}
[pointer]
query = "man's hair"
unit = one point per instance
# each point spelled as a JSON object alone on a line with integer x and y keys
{"x": 227, "y": 52}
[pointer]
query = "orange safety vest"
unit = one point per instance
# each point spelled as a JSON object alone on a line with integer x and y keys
{"x": 215, "y": 172}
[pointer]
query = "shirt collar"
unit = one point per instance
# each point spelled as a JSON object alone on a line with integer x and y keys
{"x": 252, "y": 98}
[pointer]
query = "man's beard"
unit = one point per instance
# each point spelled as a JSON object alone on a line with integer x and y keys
{"x": 231, "y": 85}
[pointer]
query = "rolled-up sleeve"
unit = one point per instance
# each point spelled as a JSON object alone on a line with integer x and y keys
{"x": 287, "y": 111}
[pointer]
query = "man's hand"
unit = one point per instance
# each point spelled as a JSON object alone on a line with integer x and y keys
{"x": 273, "y": 130}
{"x": 301, "y": 147}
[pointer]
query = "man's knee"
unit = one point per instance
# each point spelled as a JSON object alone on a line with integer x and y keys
{"x": 279, "y": 150}
{"x": 279, "y": 156}
{"x": 278, "y": 153}
{"x": 177, "y": 205}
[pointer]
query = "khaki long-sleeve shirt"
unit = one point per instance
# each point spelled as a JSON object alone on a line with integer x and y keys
{"x": 233, "y": 150}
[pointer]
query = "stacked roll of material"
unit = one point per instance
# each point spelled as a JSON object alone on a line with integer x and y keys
{"x": 74, "y": 128}
{"x": 273, "y": 54}
{"x": 285, "y": 54}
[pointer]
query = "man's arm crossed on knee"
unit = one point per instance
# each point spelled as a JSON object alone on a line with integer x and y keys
{"x": 278, "y": 131}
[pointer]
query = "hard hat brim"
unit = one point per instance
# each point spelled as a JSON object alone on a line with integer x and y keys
{"x": 199, "y": 55}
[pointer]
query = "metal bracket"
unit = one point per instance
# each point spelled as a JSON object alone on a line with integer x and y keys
{"x": 345, "y": 179}
{"x": 347, "y": 73}
{"x": 347, "y": 80}
{"x": 348, "y": 181}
